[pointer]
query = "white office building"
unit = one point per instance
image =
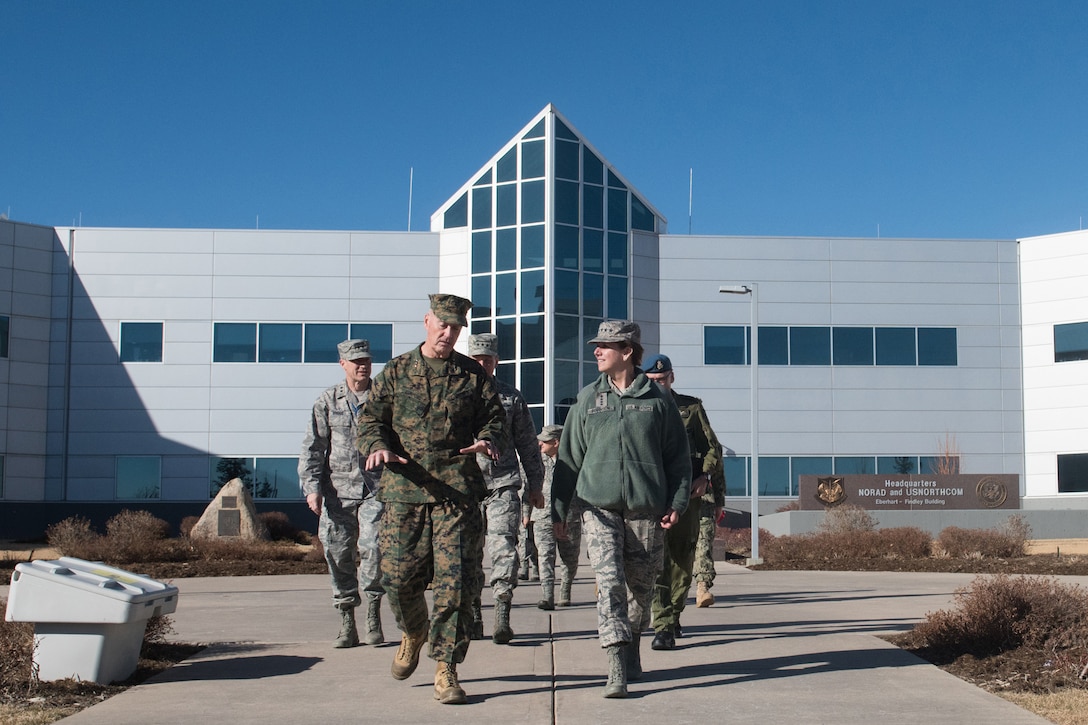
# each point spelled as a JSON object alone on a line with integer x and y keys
{"x": 150, "y": 365}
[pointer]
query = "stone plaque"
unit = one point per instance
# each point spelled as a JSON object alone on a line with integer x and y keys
{"x": 230, "y": 502}
{"x": 230, "y": 522}
{"x": 911, "y": 492}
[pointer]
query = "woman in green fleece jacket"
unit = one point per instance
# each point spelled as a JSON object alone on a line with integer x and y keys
{"x": 624, "y": 455}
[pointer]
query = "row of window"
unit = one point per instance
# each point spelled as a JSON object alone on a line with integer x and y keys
{"x": 5, "y": 326}
{"x": 266, "y": 342}
{"x": 731, "y": 345}
{"x": 779, "y": 475}
{"x": 139, "y": 477}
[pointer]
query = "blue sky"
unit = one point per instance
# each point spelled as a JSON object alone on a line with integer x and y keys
{"x": 927, "y": 118}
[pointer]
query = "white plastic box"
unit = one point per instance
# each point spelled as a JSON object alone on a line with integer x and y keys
{"x": 89, "y": 618}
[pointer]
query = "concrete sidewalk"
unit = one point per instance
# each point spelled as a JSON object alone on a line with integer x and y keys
{"x": 778, "y": 647}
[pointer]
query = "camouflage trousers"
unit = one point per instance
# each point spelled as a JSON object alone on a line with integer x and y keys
{"x": 502, "y": 514}
{"x": 436, "y": 544}
{"x": 348, "y": 531}
{"x": 568, "y": 549}
{"x": 703, "y": 569}
{"x": 625, "y": 551}
{"x": 527, "y": 552}
{"x": 671, "y": 589}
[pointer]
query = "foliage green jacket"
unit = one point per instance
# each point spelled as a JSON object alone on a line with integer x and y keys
{"x": 625, "y": 452}
{"x": 428, "y": 417}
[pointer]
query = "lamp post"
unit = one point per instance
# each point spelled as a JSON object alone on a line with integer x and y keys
{"x": 751, "y": 289}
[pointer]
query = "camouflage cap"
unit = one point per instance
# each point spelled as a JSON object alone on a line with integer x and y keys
{"x": 550, "y": 433}
{"x": 484, "y": 343}
{"x": 451, "y": 308}
{"x": 658, "y": 364}
{"x": 354, "y": 349}
{"x": 618, "y": 331}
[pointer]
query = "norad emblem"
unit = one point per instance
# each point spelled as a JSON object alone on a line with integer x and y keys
{"x": 830, "y": 491}
{"x": 991, "y": 492}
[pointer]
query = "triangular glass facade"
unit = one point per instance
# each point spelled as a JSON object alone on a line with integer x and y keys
{"x": 550, "y": 225}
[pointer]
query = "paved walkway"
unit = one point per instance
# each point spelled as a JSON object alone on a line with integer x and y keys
{"x": 778, "y": 647}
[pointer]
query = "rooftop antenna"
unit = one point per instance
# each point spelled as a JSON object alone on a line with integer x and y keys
{"x": 691, "y": 182}
{"x": 411, "y": 175}
{"x": 258, "y": 221}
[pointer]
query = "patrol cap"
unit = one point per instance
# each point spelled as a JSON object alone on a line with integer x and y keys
{"x": 450, "y": 308}
{"x": 484, "y": 343}
{"x": 658, "y": 364}
{"x": 550, "y": 433}
{"x": 618, "y": 331}
{"x": 354, "y": 349}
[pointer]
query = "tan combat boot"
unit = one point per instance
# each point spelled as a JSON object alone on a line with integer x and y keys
{"x": 703, "y": 597}
{"x": 407, "y": 659}
{"x": 447, "y": 690}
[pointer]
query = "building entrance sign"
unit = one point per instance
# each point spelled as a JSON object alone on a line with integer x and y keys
{"x": 911, "y": 492}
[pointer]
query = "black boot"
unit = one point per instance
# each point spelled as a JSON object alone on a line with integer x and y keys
{"x": 477, "y": 631}
{"x": 664, "y": 639}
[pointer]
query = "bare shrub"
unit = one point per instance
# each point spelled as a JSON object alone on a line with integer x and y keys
{"x": 960, "y": 543}
{"x": 280, "y": 528}
{"x": 75, "y": 537}
{"x": 1018, "y": 531}
{"x": 906, "y": 542}
{"x": 845, "y": 519}
{"x": 133, "y": 536}
{"x": 317, "y": 550}
{"x": 739, "y": 541}
{"x": 1000, "y": 613}
{"x": 158, "y": 629}
{"x": 17, "y": 675}
{"x": 794, "y": 505}
{"x": 187, "y": 524}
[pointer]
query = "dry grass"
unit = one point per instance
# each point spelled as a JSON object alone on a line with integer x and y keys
{"x": 1063, "y": 708}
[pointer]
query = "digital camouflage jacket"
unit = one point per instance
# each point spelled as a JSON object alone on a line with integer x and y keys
{"x": 506, "y": 471}
{"x": 330, "y": 463}
{"x": 428, "y": 417}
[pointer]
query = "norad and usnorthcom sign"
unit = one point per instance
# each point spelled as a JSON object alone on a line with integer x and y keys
{"x": 911, "y": 492}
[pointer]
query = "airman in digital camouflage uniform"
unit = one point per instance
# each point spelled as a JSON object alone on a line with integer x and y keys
{"x": 502, "y": 508}
{"x": 624, "y": 457}
{"x": 547, "y": 544}
{"x": 430, "y": 412}
{"x": 343, "y": 494}
{"x": 671, "y": 591}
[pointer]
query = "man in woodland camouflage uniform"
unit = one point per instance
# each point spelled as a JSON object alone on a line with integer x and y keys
{"x": 343, "y": 494}
{"x": 671, "y": 590}
{"x": 502, "y": 508}
{"x": 430, "y": 412}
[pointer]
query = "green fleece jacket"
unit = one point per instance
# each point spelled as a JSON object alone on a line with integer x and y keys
{"x": 626, "y": 453}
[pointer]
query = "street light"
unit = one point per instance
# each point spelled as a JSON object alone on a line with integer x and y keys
{"x": 751, "y": 289}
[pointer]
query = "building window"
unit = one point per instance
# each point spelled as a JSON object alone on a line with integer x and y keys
{"x": 896, "y": 346}
{"x": 937, "y": 346}
{"x": 810, "y": 346}
{"x": 724, "y": 345}
{"x": 1, "y": 476}
{"x": 138, "y": 477}
{"x": 234, "y": 342}
{"x": 808, "y": 466}
{"x": 774, "y": 345}
{"x": 457, "y": 214}
{"x": 1073, "y": 473}
{"x": 264, "y": 477}
{"x": 5, "y": 324}
{"x": 852, "y": 345}
{"x": 854, "y": 465}
{"x": 1070, "y": 342}
{"x": 280, "y": 343}
{"x": 380, "y": 337}
{"x": 141, "y": 342}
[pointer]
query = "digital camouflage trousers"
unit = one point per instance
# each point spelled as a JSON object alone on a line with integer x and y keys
{"x": 348, "y": 531}
{"x": 625, "y": 552}
{"x": 437, "y": 544}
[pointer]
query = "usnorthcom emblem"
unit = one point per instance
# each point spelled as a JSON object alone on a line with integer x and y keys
{"x": 830, "y": 491}
{"x": 991, "y": 492}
